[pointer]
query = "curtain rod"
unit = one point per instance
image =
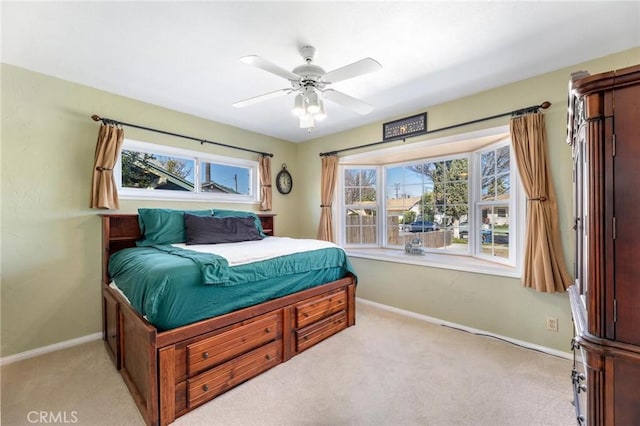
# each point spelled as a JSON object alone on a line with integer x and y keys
{"x": 95, "y": 117}
{"x": 530, "y": 109}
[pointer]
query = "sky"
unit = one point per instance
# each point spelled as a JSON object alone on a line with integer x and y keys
{"x": 220, "y": 173}
{"x": 411, "y": 183}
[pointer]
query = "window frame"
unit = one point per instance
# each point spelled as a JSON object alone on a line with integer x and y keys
{"x": 515, "y": 204}
{"x": 198, "y": 157}
{"x": 343, "y": 210}
{"x": 431, "y": 160}
{"x": 510, "y": 266}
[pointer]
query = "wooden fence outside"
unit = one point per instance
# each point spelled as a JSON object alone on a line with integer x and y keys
{"x": 362, "y": 230}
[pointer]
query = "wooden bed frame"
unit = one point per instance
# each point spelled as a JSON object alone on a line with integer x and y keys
{"x": 169, "y": 373}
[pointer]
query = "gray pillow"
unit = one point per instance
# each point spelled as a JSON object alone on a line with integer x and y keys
{"x": 217, "y": 230}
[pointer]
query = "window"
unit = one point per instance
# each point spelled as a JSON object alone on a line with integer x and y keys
{"x": 461, "y": 203}
{"x": 425, "y": 196}
{"x": 147, "y": 170}
{"x": 493, "y": 206}
{"x": 360, "y": 206}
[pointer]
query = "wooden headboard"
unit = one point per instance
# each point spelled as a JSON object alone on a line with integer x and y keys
{"x": 120, "y": 231}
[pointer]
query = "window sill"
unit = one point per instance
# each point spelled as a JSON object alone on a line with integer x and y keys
{"x": 443, "y": 261}
{"x": 197, "y": 199}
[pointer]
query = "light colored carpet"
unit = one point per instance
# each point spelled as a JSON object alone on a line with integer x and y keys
{"x": 387, "y": 370}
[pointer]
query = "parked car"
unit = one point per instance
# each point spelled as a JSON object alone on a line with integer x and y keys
{"x": 422, "y": 226}
{"x": 463, "y": 231}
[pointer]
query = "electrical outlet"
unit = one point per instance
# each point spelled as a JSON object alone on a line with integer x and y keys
{"x": 552, "y": 323}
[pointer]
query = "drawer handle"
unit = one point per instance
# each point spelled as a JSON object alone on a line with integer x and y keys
{"x": 305, "y": 338}
{"x": 267, "y": 330}
{"x": 205, "y": 388}
{"x": 574, "y": 344}
{"x": 267, "y": 357}
{"x": 306, "y": 315}
{"x": 205, "y": 355}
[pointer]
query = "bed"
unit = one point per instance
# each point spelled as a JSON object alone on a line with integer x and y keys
{"x": 172, "y": 366}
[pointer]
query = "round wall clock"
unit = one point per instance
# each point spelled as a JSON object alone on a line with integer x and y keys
{"x": 284, "y": 182}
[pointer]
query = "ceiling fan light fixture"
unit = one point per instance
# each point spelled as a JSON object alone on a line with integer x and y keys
{"x": 298, "y": 106}
{"x": 309, "y": 83}
{"x": 306, "y": 121}
{"x": 321, "y": 114}
{"x": 314, "y": 103}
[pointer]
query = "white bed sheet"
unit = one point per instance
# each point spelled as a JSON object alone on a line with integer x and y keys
{"x": 256, "y": 251}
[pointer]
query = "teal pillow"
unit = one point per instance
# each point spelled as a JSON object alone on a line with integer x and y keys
{"x": 239, "y": 213}
{"x": 164, "y": 226}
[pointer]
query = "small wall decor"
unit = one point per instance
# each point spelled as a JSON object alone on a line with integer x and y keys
{"x": 284, "y": 181}
{"x": 405, "y": 127}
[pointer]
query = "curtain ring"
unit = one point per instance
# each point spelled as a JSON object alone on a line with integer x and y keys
{"x": 103, "y": 169}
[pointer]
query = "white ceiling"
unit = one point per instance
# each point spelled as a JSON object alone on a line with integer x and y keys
{"x": 185, "y": 55}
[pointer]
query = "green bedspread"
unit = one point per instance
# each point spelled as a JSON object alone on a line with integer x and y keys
{"x": 172, "y": 287}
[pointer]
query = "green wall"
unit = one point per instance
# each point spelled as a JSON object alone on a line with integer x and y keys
{"x": 496, "y": 304}
{"x": 50, "y": 251}
{"x": 50, "y": 238}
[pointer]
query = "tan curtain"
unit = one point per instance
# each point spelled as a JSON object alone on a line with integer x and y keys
{"x": 327, "y": 187}
{"x": 104, "y": 193}
{"x": 544, "y": 265}
{"x": 265, "y": 183}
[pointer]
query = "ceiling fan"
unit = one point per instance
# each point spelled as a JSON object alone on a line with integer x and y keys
{"x": 311, "y": 84}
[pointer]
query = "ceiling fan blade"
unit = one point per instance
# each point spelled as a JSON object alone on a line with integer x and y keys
{"x": 260, "y": 98}
{"x": 347, "y": 101}
{"x": 361, "y": 67}
{"x": 261, "y": 63}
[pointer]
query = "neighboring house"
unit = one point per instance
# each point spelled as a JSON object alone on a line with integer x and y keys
{"x": 395, "y": 207}
{"x": 163, "y": 178}
{"x": 398, "y": 206}
{"x": 364, "y": 209}
{"x": 501, "y": 215}
{"x": 172, "y": 182}
{"x": 216, "y": 187}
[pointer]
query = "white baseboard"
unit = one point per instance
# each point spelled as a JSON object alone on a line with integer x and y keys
{"x": 51, "y": 348}
{"x": 96, "y": 336}
{"x": 529, "y": 345}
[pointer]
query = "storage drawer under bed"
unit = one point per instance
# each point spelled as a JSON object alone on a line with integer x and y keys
{"x": 224, "y": 346}
{"x": 211, "y": 383}
{"x": 320, "y": 307}
{"x": 309, "y": 336}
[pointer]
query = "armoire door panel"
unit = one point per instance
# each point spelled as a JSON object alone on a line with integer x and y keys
{"x": 627, "y": 202}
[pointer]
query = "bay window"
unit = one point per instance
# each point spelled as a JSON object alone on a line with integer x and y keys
{"x": 464, "y": 203}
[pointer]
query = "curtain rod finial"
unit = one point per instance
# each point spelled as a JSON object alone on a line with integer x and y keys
{"x": 95, "y": 117}
{"x": 545, "y": 105}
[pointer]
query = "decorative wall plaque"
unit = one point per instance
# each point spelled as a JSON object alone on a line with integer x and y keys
{"x": 405, "y": 127}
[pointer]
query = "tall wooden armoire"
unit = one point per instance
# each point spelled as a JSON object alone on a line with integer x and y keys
{"x": 604, "y": 131}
